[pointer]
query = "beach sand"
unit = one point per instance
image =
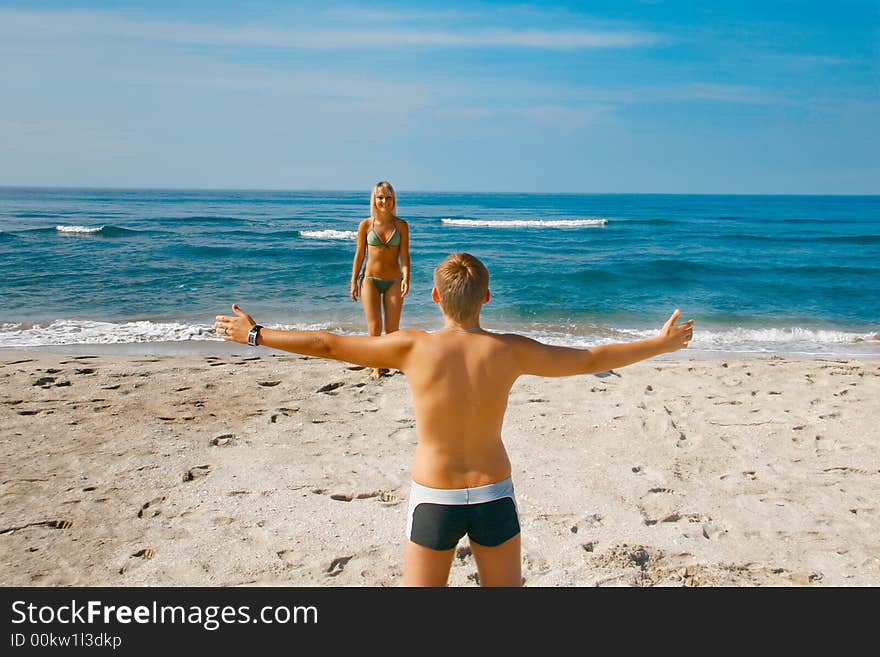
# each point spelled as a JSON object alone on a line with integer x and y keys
{"x": 272, "y": 469}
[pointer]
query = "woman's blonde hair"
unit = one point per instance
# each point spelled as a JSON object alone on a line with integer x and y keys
{"x": 387, "y": 188}
{"x": 462, "y": 282}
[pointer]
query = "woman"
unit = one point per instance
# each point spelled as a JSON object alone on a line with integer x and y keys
{"x": 383, "y": 239}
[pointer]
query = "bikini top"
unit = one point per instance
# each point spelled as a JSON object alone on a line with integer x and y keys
{"x": 373, "y": 238}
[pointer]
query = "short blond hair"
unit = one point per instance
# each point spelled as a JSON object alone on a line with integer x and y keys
{"x": 386, "y": 187}
{"x": 462, "y": 282}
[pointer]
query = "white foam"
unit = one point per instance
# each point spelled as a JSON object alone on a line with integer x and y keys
{"x": 67, "y": 331}
{"x": 329, "y": 234}
{"x": 525, "y": 223}
{"x": 792, "y": 340}
{"x": 79, "y": 229}
{"x": 732, "y": 340}
{"x": 775, "y": 336}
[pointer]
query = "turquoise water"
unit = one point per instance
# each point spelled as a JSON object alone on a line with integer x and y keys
{"x": 779, "y": 274}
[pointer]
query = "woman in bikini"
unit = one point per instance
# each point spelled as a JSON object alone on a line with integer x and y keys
{"x": 383, "y": 239}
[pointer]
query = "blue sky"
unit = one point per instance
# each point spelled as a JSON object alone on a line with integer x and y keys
{"x": 595, "y": 97}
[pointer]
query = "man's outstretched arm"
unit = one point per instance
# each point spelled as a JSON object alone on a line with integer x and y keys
{"x": 546, "y": 360}
{"x": 388, "y": 351}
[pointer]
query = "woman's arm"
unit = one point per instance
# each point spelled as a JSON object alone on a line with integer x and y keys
{"x": 359, "y": 253}
{"x": 404, "y": 258}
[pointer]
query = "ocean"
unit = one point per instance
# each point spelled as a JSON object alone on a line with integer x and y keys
{"x": 787, "y": 275}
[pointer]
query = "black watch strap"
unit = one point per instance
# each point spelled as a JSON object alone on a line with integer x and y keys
{"x": 253, "y": 334}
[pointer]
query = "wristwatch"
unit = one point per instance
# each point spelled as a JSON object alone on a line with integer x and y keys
{"x": 252, "y": 335}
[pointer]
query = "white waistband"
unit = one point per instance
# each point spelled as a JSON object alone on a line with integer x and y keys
{"x": 419, "y": 494}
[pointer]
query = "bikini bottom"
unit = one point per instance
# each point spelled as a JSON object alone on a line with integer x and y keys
{"x": 382, "y": 284}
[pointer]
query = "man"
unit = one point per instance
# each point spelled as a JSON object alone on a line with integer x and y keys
{"x": 460, "y": 378}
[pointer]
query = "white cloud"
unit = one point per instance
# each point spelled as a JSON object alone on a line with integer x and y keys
{"x": 30, "y": 25}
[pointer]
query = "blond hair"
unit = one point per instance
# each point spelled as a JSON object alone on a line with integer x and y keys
{"x": 387, "y": 188}
{"x": 462, "y": 282}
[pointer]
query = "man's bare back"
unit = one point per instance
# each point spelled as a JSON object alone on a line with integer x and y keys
{"x": 460, "y": 383}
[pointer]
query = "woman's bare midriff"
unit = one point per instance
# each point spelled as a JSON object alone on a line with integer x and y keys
{"x": 383, "y": 262}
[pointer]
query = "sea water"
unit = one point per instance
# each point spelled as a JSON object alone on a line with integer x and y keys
{"x": 760, "y": 274}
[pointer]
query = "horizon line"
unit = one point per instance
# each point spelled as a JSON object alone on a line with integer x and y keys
{"x": 421, "y": 191}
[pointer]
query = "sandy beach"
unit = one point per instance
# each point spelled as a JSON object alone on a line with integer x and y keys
{"x": 272, "y": 469}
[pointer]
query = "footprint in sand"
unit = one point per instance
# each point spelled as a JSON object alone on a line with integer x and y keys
{"x": 338, "y": 564}
{"x": 52, "y": 524}
{"x": 59, "y": 524}
{"x": 134, "y": 560}
{"x": 290, "y": 557}
{"x": 713, "y": 531}
{"x": 849, "y": 470}
{"x": 331, "y": 386}
{"x": 226, "y": 440}
{"x": 389, "y": 498}
{"x": 197, "y": 472}
{"x": 151, "y": 509}
{"x": 589, "y": 522}
{"x": 675, "y": 516}
{"x": 282, "y": 411}
{"x": 268, "y": 384}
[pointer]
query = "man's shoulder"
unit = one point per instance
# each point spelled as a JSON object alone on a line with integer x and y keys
{"x": 412, "y": 333}
{"x": 408, "y": 335}
{"x": 515, "y": 339}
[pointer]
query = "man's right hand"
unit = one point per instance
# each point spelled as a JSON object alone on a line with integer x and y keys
{"x": 234, "y": 329}
{"x": 676, "y": 336}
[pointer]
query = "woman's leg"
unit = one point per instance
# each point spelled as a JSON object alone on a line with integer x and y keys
{"x": 372, "y": 301}
{"x": 500, "y": 565}
{"x": 393, "y": 304}
{"x": 426, "y": 567}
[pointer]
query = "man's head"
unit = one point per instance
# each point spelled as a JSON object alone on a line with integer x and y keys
{"x": 461, "y": 286}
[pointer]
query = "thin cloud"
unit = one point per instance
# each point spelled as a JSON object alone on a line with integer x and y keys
{"x": 29, "y": 24}
{"x": 730, "y": 93}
